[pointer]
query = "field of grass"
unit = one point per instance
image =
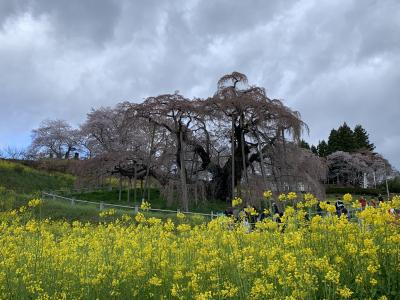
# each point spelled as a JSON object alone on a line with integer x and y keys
{"x": 26, "y": 180}
{"x": 19, "y": 184}
{"x": 112, "y": 196}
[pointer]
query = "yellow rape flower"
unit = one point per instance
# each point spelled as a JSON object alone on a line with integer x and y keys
{"x": 35, "y": 202}
{"x": 282, "y": 197}
{"x": 140, "y": 218}
{"x": 251, "y": 210}
{"x": 155, "y": 281}
{"x": 347, "y": 198}
{"x": 236, "y": 201}
{"x": 344, "y": 292}
{"x": 267, "y": 194}
{"x": 145, "y": 206}
{"x": 291, "y": 196}
{"x": 180, "y": 215}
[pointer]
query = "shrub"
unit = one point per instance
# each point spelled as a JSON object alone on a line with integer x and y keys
{"x": 354, "y": 190}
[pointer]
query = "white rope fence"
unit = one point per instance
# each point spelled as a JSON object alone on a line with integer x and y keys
{"x": 103, "y": 205}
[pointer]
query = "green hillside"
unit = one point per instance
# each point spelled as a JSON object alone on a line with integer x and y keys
{"x": 26, "y": 180}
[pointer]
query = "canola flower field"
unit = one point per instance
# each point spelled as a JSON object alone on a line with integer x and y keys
{"x": 147, "y": 258}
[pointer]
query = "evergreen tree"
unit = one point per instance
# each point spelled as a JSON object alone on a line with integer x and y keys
{"x": 341, "y": 140}
{"x": 314, "y": 149}
{"x": 361, "y": 139}
{"x": 322, "y": 148}
{"x": 333, "y": 142}
{"x": 304, "y": 144}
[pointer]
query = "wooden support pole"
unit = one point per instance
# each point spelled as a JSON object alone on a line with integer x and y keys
{"x": 233, "y": 157}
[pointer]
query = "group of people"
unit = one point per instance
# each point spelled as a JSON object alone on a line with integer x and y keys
{"x": 251, "y": 215}
{"x": 372, "y": 202}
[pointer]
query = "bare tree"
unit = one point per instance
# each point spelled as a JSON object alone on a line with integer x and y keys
{"x": 54, "y": 138}
{"x": 13, "y": 152}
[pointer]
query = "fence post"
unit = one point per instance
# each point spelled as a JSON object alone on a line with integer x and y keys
{"x": 136, "y": 209}
{"x": 212, "y": 215}
{"x": 72, "y": 201}
{"x": 101, "y": 205}
{"x": 54, "y": 197}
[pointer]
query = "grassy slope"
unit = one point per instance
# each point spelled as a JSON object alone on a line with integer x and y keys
{"x": 26, "y": 180}
{"x": 19, "y": 184}
{"x": 155, "y": 199}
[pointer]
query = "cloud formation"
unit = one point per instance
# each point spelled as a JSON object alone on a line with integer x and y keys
{"x": 333, "y": 61}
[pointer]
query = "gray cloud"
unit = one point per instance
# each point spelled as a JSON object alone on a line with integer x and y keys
{"x": 333, "y": 61}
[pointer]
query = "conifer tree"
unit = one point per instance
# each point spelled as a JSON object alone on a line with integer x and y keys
{"x": 346, "y": 138}
{"x": 322, "y": 148}
{"x": 361, "y": 139}
{"x": 333, "y": 144}
{"x": 304, "y": 144}
{"x": 314, "y": 149}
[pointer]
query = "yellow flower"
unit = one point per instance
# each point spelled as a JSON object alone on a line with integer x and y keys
{"x": 140, "y": 218}
{"x": 331, "y": 208}
{"x": 180, "y": 215}
{"x": 204, "y": 296}
{"x": 267, "y": 194}
{"x": 344, "y": 292}
{"x": 35, "y": 202}
{"x": 291, "y": 196}
{"x": 236, "y": 201}
{"x": 155, "y": 281}
{"x": 126, "y": 218}
{"x": 107, "y": 213}
{"x": 183, "y": 227}
{"x": 229, "y": 290}
{"x": 169, "y": 225}
{"x": 372, "y": 269}
{"x": 145, "y": 206}
{"x": 308, "y": 196}
{"x": 282, "y": 197}
{"x": 332, "y": 276}
{"x": 251, "y": 210}
{"x": 347, "y": 198}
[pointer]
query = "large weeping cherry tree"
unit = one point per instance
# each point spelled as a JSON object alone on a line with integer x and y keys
{"x": 230, "y": 142}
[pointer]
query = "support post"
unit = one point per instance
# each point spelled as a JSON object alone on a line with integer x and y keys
{"x": 233, "y": 157}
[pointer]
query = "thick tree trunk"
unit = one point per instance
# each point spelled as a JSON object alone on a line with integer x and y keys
{"x": 149, "y": 161}
{"x": 233, "y": 159}
{"x": 120, "y": 189}
{"x": 134, "y": 184}
{"x": 182, "y": 169}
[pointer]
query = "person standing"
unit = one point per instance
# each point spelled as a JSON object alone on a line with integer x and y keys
{"x": 339, "y": 206}
{"x": 362, "y": 202}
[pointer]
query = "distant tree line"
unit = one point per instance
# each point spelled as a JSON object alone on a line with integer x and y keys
{"x": 342, "y": 139}
{"x": 351, "y": 159}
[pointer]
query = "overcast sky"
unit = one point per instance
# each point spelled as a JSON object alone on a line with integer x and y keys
{"x": 333, "y": 61}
